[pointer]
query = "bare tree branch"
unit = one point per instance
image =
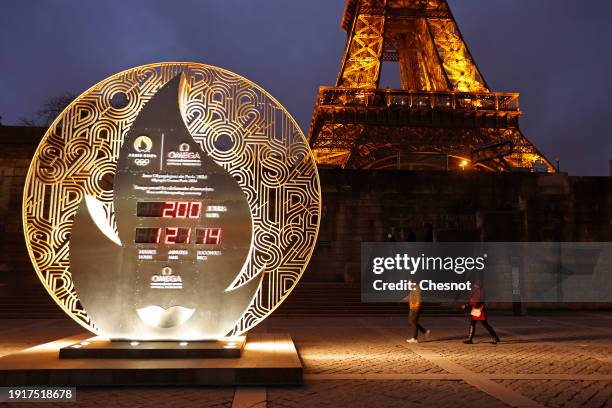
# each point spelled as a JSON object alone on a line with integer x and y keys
{"x": 50, "y": 110}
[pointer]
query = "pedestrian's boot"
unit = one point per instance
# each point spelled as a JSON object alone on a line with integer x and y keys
{"x": 493, "y": 334}
{"x": 470, "y": 335}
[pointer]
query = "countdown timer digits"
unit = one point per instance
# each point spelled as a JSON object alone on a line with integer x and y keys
{"x": 169, "y": 209}
{"x": 175, "y": 235}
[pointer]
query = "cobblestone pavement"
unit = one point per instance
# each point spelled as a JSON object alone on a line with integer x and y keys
{"x": 144, "y": 397}
{"x": 550, "y": 360}
{"x": 382, "y": 393}
{"x": 353, "y": 351}
{"x": 555, "y": 393}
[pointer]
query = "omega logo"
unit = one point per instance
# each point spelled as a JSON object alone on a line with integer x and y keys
{"x": 183, "y": 155}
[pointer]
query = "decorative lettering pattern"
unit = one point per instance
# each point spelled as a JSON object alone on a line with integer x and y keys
{"x": 237, "y": 123}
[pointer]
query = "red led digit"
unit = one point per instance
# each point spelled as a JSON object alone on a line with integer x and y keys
{"x": 157, "y": 238}
{"x": 169, "y": 209}
{"x": 195, "y": 210}
{"x": 214, "y": 236}
{"x": 200, "y": 236}
{"x": 171, "y": 234}
{"x": 182, "y": 208}
{"x": 188, "y": 236}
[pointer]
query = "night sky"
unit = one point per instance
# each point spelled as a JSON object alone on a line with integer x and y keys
{"x": 556, "y": 53}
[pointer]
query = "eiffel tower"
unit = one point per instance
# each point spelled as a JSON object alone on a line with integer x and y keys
{"x": 445, "y": 117}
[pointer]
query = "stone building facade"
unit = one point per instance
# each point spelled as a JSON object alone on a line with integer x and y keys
{"x": 424, "y": 206}
{"x": 17, "y": 146}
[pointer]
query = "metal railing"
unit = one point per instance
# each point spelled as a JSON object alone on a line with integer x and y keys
{"x": 393, "y": 98}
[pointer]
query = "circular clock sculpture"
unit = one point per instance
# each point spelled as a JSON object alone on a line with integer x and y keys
{"x": 172, "y": 201}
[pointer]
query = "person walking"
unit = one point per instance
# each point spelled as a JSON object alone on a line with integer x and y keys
{"x": 414, "y": 303}
{"x": 478, "y": 314}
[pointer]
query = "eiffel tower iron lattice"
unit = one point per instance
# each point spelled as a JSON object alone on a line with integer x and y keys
{"x": 444, "y": 117}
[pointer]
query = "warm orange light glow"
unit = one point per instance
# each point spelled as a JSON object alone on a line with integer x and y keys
{"x": 58, "y": 344}
{"x": 285, "y": 346}
{"x": 233, "y": 339}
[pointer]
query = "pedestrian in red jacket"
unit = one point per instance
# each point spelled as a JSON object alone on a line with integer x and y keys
{"x": 478, "y": 314}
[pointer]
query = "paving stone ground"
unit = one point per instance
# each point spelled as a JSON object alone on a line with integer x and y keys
{"x": 384, "y": 393}
{"x": 144, "y": 397}
{"x": 556, "y": 393}
{"x": 545, "y": 360}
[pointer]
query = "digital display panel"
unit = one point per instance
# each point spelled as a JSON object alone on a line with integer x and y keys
{"x": 187, "y": 210}
{"x": 208, "y": 236}
{"x": 175, "y": 235}
{"x": 169, "y": 209}
{"x": 178, "y": 235}
{"x": 148, "y": 235}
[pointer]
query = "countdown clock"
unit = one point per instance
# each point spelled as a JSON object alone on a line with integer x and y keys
{"x": 185, "y": 210}
{"x": 173, "y": 201}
